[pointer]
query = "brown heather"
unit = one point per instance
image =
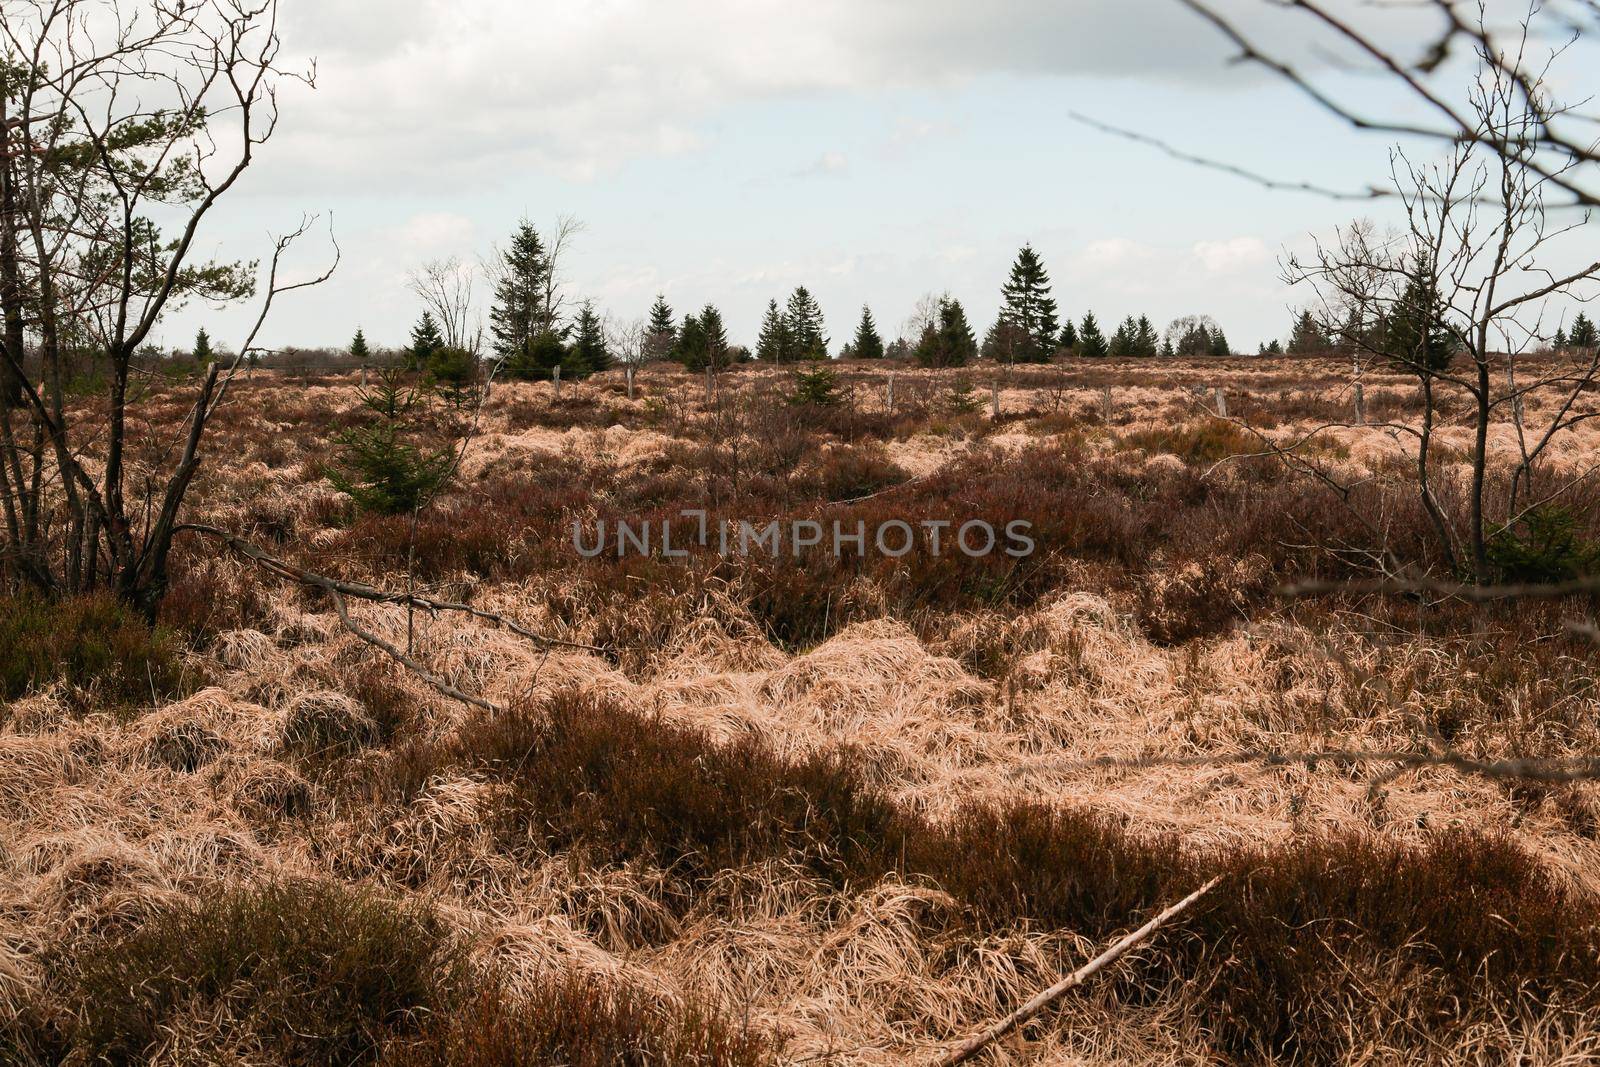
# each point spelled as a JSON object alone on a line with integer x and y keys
{"x": 804, "y": 809}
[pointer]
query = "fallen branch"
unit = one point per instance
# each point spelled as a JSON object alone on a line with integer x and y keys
{"x": 975, "y": 1044}
{"x": 339, "y": 590}
{"x": 362, "y": 591}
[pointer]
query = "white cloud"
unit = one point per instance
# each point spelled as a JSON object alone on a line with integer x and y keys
{"x": 1233, "y": 255}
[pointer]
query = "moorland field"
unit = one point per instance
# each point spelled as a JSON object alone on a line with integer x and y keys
{"x": 815, "y": 809}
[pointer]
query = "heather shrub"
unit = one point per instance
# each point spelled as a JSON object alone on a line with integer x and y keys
{"x": 573, "y": 1020}
{"x": 307, "y": 971}
{"x": 95, "y": 643}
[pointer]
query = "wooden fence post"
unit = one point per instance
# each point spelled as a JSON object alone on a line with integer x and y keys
{"x": 628, "y": 373}
{"x": 1222, "y": 402}
{"x": 1105, "y": 404}
{"x": 555, "y": 376}
{"x": 994, "y": 400}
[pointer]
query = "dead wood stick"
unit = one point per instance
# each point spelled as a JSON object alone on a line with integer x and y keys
{"x": 362, "y": 591}
{"x": 973, "y": 1045}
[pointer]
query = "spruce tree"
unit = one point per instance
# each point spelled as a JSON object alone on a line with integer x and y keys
{"x": 1091, "y": 342}
{"x": 716, "y": 337}
{"x": 948, "y": 342}
{"x": 804, "y": 320}
{"x": 425, "y": 341}
{"x": 1124, "y": 340}
{"x": 358, "y": 347}
{"x": 867, "y": 345}
{"x": 774, "y": 344}
{"x": 519, "y": 315}
{"x": 1166, "y": 349}
{"x": 1219, "y": 344}
{"x": 661, "y": 316}
{"x": 1145, "y": 342}
{"x": 202, "y": 349}
{"x": 589, "y": 353}
{"x": 1414, "y": 334}
{"x": 1559, "y": 341}
{"x": 1583, "y": 334}
{"x": 1307, "y": 336}
{"x": 1069, "y": 336}
{"x": 659, "y": 335}
{"x": 1030, "y": 307}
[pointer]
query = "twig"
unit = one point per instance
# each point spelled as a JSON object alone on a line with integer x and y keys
{"x": 975, "y": 1044}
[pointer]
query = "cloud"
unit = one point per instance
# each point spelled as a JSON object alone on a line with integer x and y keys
{"x": 1232, "y": 256}
{"x": 427, "y": 90}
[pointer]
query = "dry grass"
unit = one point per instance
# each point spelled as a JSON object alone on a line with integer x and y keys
{"x": 816, "y": 812}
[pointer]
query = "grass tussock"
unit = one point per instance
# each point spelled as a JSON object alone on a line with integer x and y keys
{"x": 1269, "y": 962}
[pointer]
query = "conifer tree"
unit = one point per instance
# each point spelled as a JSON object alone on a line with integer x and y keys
{"x": 203, "y": 355}
{"x": 867, "y": 345}
{"x": 1030, "y": 307}
{"x": 1145, "y": 341}
{"x": 1069, "y": 336}
{"x": 1166, "y": 349}
{"x": 1219, "y": 344}
{"x": 1414, "y": 334}
{"x": 774, "y": 345}
{"x": 358, "y": 346}
{"x": 589, "y": 352}
{"x": 659, "y": 333}
{"x": 1124, "y": 340}
{"x": 948, "y": 342}
{"x": 1091, "y": 342}
{"x": 804, "y": 320}
{"x": 661, "y": 316}
{"x": 1307, "y": 337}
{"x": 519, "y": 314}
{"x": 1583, "y": 334}
{"x": 716, "y": 336}
{"x": 425, "y": 340}
{"x": 1559, "y": 341}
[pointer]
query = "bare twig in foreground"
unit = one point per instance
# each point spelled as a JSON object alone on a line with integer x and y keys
{"x": 975, "y": 1044}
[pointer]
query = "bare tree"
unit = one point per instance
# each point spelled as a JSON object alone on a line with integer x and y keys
{"x": 1456, "y": 299}
{"x": 1560, "y": 146}
{"x": 628, "y": 341}
{"x": 116, "y": 114}
{"x": 445, "y": 288}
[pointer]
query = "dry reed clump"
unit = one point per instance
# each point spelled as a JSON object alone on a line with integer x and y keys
{"x": 326, "y": 723}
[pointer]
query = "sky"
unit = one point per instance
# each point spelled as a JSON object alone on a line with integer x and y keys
{"x": 726, "y": 151}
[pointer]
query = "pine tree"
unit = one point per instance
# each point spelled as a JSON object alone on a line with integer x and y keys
{"x": 1069, "y": 336}
{"x": 774, "y": 344}
{"x": 519, "y": 314}
{"x": 659, "y": 335}
{"x": 689, "y": 346}
{"x": 1166, "y": 349}
{"x": 425, "y": 341}
{"x": 661, "y": 316}
{"x": 804, "y": 320}
{"x": 378, "y": 465}
{"x": 1583, "y": 333}
{"x": 1307, "y": 337}
{"x": 202, "y": 349}
{"x": 1091, "y": 342}
{"x": 1559, "y": 341}
{"x": 1219, "y": 344}
{"x": 1030, "y": 307}
{"x": 1124, "y": 340}
{"x": 949, "y": 341}
{"x": 358, "y": 347}
{"x": 1145, "y": 341}
{"x": 716, "y": 336}
{"x": 589, "y": 353}
{"x": 1006, "y": 342}
{"x": 1414, "y": 334}
{"x": 867, "y": 345}
{"x": 538, "y": 358}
